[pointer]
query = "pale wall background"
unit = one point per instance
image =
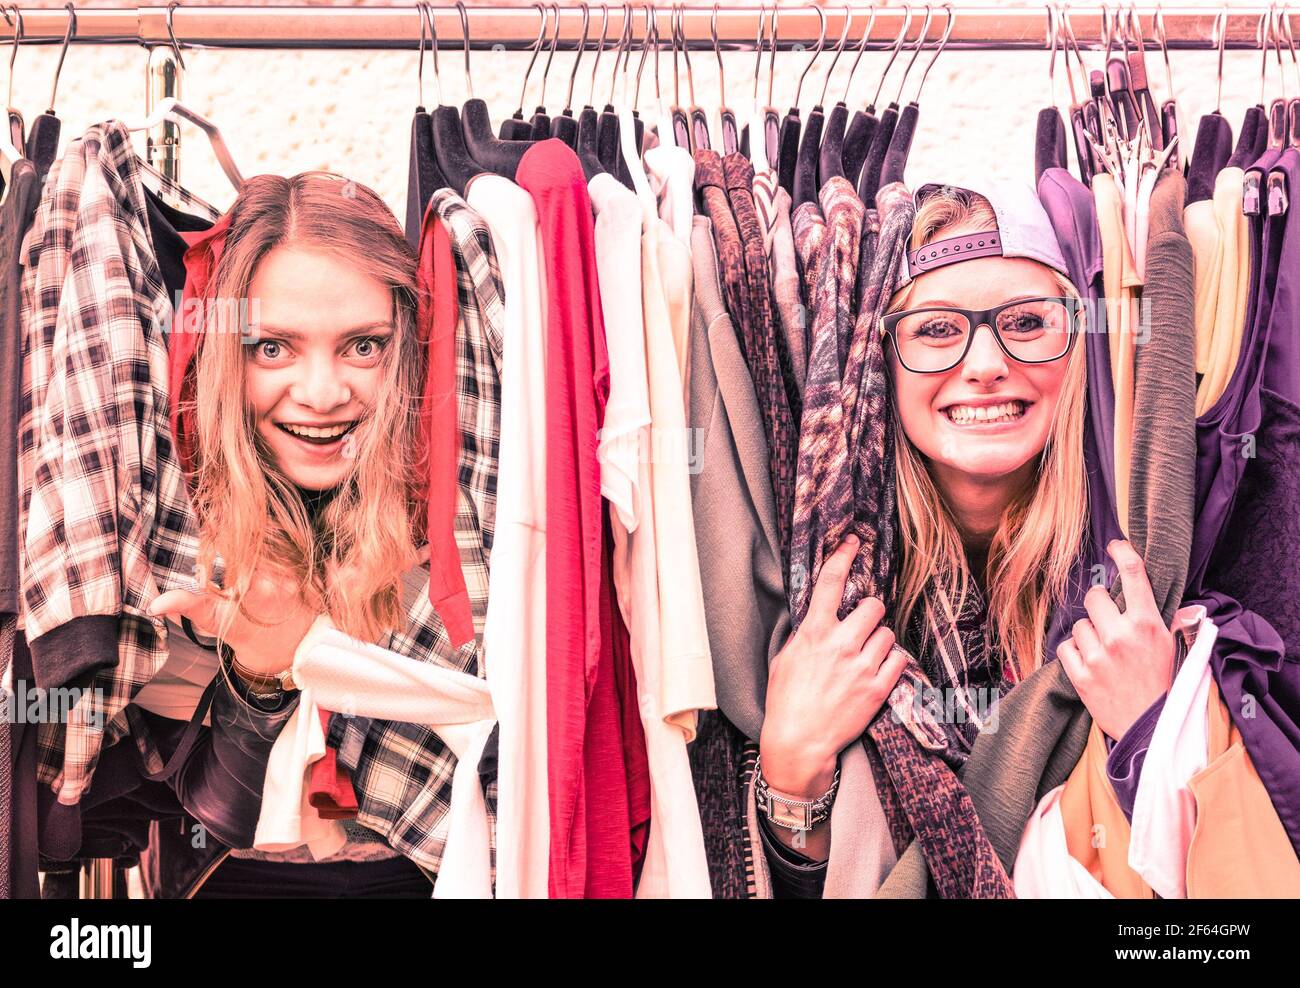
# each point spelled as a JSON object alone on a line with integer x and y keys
{"x": 287, "y": 111}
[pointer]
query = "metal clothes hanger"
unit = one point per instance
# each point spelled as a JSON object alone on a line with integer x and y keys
{"x": 424, "y": 176}
{"x": 862, "y": 128}
{"x": 1050, "y": 148}
{"x": 607, "y": 142}
{"x": 872, "y": 169}
{"x": 540, "y": 121}
{"x": 1140, "y": 87}
{"x": 497, "y": 156}
{"x": 900, "y": 145}
{"x": 792, "y": 125}
{"x": 631, "y": 127}
{"x": 1293, "y": 105}
{"x": 11, "y": 139}
{"x": 699, "y": 120}
{"x": 1169, "y": 115}
{"x": 454, "y": 160}
{"x": 565, "y": 127}
{"x": 588, "y": 120}
{"x": 174, "y": 110}
{"x": 730, "y": 133}
{"x": 679, "y": 124}
{"x": 42, "y": 144}
{"x": 830, "y": 156}
{"x": 516, "y": 128}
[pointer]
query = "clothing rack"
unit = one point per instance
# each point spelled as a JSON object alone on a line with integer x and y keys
{"x": 515, "y": 27}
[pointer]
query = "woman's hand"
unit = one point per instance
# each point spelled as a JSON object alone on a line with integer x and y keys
{"x": 826, "y": 684}
{"x": 264, "y": 632}
{"x": 1120, "y": 663}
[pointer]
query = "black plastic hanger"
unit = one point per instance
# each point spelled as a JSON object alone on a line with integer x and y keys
{"x": 43, "y": 139}
{"x": 697, "y": 119}
{"x": 608, "y": 148}
{"x": 424, "y": 177}
{"x": 900, "y": 144}
{"x": 792, "y": 125}
{"x": 726, "y": 116}
{"x": 806, "y": 165}
{"x": 497, "y": 156}
{"x": 883, "y": 140}
{"x": 830, "y": 153}
{"x": 565, "y": 126}
{"x": 1049, "y": 133}
{"x": 516, "y": 128}
{"x": 588, "y": 119}
{"x": 834, "y": 157}
{"x": 454, "y": 160}
{"x": 540, "y": 121}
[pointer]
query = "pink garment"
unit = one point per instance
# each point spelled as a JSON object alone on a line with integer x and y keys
{"x": 187, "y": 332}
{"x": 577, "y": 374}
{"x": 439, "y": 426}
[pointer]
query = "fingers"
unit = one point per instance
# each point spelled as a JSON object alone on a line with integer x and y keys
{"x": 176, "y": 604}
{"x": 1133, "y": 577}
{"x": 1087, "y": 642}
{"x": 1101, "y": 608}
{"x": 1067, "y": 653}
{"x": 861, "y": 622}
{"x": 877, "y": 649}
{"x": 828, "y": 591}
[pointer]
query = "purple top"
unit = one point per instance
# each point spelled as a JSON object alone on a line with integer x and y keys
{"x": 1073, "y": 214}
{"x": 1248, "y": 444}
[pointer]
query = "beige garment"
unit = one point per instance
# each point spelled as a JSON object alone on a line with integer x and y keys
{"x": 1202, "y": 228}
{"x": 658, "y": 579}
{"x": 686, "y": 683}
{"x": 1121, "y": 283}
{"x": 1224, "y": 332}
{"x": 733, "y": 505}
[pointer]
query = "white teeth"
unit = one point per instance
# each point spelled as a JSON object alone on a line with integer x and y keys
{"x": 1005, "y": 412}
{"x": 313, "y": 433}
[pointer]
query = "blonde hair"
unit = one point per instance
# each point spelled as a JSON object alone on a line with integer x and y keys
{"x": 1039, "y": 534}
{"x": 250, "y": 513}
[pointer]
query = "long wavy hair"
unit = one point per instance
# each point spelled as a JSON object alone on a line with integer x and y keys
{"x": 1041, "y": 530}
{"x": 350, "y": 564}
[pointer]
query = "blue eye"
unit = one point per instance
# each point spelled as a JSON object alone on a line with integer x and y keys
{"x": 370, "y": 347}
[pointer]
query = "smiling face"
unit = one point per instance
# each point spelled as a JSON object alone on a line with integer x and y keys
{"x": 985, "y": 421}
{"x": 316, "y": 367}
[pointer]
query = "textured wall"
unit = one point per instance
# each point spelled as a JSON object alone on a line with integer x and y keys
{"x": 350, "y": 111}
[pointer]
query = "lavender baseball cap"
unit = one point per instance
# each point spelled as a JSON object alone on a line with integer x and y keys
{"x": 1023, "y": 230}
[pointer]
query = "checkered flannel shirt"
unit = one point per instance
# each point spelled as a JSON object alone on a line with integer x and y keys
{"x": 105, "y": 519}
{"x": 402, "y": 772}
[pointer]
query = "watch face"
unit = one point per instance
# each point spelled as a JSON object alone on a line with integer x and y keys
{"x": 795, "y": 817}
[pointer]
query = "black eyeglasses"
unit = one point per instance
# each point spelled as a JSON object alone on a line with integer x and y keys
{"x": 1030, "y": 330}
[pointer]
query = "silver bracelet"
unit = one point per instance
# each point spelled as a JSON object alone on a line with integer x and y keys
{"x": 793, "y": 814}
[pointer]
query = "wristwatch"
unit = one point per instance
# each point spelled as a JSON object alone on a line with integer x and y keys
{"x": 790, "y": 813}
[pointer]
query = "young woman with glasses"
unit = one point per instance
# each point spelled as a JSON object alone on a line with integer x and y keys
{"x": 987, "y": 380}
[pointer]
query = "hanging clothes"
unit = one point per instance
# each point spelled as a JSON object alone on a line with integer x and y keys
{"x": 655, "y": 567}
{"x": 748, "y": 301}
{"x": 402, "y": 772}
{"x": 585, "y": 859}
{"x": 1120, "y": 280}
{"x": 1163, "y": 464}
{"x": 773, "y": 206}
{"x": 514, "y": 632}
{"x": 91, "y": 627}
{"x": 1220, "y": 238}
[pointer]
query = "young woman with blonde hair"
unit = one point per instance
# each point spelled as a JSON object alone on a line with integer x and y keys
{"x": 986, "y": 375}
{"x": 300, "y": 424}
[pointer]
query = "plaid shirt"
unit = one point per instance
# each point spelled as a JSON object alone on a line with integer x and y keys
{"x": 402, "y": 772}
{"x": 105, "y": 519}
